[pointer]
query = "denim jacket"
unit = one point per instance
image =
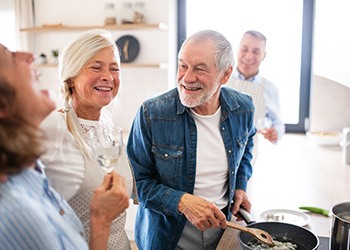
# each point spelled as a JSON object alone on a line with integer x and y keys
{"x": 162, "y": 151}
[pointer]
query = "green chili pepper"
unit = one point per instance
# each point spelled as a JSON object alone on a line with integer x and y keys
{"x": 317, "y": 210}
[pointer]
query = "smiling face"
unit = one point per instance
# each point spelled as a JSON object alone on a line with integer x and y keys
{"x": 199, "y": 80}
{"x": 96, "y": 85}
{"x": 251, "y": 53}
{"x": 32, "y": 104}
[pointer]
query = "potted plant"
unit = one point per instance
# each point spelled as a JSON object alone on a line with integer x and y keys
{"x": 55, "y": 53}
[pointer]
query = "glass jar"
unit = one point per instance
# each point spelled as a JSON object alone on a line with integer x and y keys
{"x": 139, "y": 12}
{"x": 127, "y": 13}
{"x": 346, "y": 145}
{"x": 110, "y": 14}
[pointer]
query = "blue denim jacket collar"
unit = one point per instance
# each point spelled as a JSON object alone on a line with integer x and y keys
{"x": 180, "y": 108}
{"x": 225, "y": 102}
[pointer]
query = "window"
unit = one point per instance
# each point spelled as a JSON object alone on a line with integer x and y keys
{"x": 7, "y": 24}
{"x": 288, "y": 27}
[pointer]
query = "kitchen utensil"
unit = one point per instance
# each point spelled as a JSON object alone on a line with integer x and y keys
{"x": 283, "y": 232}
{"x": 340, "y": 227}
{"x": 257, "y": 233}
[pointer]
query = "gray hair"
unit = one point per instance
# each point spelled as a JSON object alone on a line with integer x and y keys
{"x": 256, "y": 34}
{"x": 223, "y": 49}
{"x": 72, "y": 61}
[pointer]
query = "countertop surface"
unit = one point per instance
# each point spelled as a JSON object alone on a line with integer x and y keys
{"x": 296, "y": 172}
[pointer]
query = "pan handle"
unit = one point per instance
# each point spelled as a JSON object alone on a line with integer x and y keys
{"x": 248, "y": 218}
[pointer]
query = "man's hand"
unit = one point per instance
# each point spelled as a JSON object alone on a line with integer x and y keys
{"x": 201, "y": 213}
{"x": 240, "y": 200}
{"x": 270, "y": 134}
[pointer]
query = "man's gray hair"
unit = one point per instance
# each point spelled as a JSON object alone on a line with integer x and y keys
{"x": 256, "y": 34}
{"x": 223, "y": 49}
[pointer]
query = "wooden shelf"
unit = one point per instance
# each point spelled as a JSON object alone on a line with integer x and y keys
{"x": 142, "y": 65}
{"x": 64, "y": 28}
{"x": 123, "y": 65}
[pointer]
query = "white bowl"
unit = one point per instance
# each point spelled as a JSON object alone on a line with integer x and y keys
{"x": 325, "y": 138}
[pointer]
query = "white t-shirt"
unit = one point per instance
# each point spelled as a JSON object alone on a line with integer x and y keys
{"x": 212, "y": 168}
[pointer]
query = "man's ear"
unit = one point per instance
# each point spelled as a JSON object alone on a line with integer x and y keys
{"x": 227, "y": 75}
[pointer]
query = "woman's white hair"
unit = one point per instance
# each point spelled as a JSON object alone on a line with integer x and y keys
{"x": 72, "y": 61}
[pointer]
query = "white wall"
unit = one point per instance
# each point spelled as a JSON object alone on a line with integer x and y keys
{"x": 330, "y": 84}
{"x": 331, "y": 40}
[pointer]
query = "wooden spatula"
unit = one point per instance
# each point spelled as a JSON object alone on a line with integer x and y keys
{"x": 259, "y": 234}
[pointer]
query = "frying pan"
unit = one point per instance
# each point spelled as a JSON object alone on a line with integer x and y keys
{"x": 284, "y": 232}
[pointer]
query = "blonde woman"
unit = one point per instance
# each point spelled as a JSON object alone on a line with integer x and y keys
{"x": 90, "y": 74}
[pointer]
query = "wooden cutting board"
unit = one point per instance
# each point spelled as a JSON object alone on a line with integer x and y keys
{"x": 229, "y": 240}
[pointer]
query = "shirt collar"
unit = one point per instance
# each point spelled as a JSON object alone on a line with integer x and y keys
{"x": 255, "y": 79}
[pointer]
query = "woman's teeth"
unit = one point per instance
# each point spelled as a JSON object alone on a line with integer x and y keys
{"x": 104, "y": 88}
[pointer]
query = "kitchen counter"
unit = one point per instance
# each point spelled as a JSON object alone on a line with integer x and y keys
{"x": 295, "y": 172}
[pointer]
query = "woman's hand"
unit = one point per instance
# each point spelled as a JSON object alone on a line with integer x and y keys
{"x": 108, "y": 202}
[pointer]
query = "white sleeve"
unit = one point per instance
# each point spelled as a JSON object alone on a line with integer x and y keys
{"x": 64, "y": 162}
{"x": 272, "y": 103}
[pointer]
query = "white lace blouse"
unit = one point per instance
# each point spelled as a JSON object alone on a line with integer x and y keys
{"x": 75, "y": 177}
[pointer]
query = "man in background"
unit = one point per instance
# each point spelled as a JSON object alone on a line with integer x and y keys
{"x": 247, "y": 78}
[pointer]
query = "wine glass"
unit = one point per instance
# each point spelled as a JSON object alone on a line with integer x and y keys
{"x": 109, "y": 148}
{"x": 263, "y": 123}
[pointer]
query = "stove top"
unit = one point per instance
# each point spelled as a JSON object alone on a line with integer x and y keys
{"x": 324, "y": 243}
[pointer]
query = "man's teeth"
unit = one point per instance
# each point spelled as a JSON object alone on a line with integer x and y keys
{"x": 104, "y": 88}
{"x": 191, "y": 88}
